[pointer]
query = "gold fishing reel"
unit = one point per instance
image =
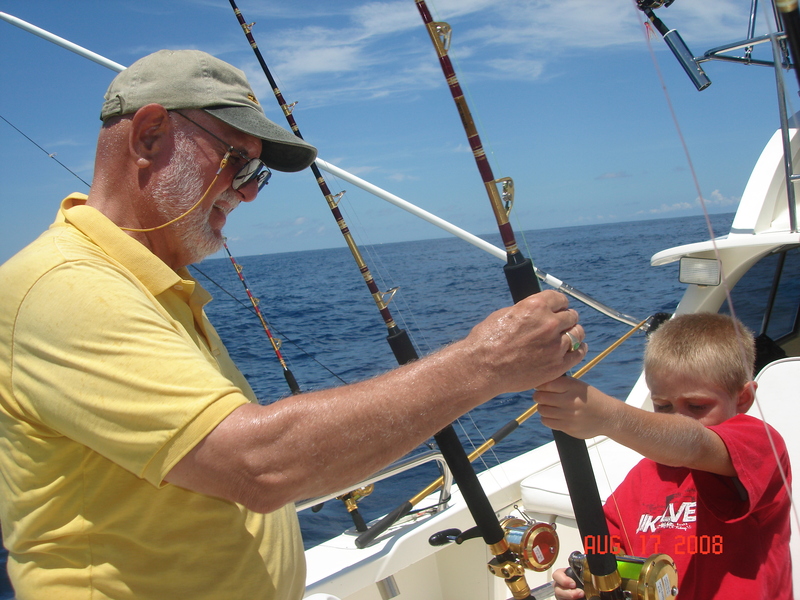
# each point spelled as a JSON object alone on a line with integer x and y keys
{"x": 526, "y": 544}
{"x": 352, "y": 498}
{"x": 535, "y": 544}
{"x": 653, "y": 578}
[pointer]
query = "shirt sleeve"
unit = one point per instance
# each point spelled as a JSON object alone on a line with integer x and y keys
{"x": 755, "y": 449}
{"x": 96, "y": 359}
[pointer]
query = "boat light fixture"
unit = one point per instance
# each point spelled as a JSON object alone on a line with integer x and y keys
{"x": 699, "y": 271}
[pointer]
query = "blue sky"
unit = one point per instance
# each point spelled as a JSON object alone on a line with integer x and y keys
{"x": 565, "y": 93}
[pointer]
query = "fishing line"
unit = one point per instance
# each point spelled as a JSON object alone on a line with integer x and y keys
{"x": 275, "y": 329}
{"x": 78, "y": 177}
{"x": 50, "y": 154}
{"x": 382, "y": 273}
{"x": 701, "y": 199}
{"x": 369, "y": 248}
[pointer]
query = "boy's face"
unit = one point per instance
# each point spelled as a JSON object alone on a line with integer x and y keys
{"x": 696, "y": 398}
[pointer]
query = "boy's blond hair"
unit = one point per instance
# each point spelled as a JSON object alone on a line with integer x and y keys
{"x": 711, "y": 346}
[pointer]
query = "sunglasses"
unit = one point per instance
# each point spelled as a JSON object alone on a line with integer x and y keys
{"x": 253, "y": 169}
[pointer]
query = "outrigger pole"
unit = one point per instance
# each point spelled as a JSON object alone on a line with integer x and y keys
{"x": 522, "y": 283}
{"x": 357, "y": 181}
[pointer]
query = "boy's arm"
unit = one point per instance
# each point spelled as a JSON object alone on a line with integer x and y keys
{"x": 582, "y": 411}
{"x": 564, "y": 586}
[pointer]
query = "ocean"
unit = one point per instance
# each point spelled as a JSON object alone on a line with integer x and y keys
{"x": 317, "y": 304}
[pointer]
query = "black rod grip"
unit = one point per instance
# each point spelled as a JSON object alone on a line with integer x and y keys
{"x": 464, "y": 475}
{"x": 586, "y": 501}
{"x": 289, "y": 376}
{"x": 366, "y": 538}
{"x": 501, "y": 434}
{"x": 358, "y": 520}
{"x": 401, "y": 345}
{"x": 521, "y": 278}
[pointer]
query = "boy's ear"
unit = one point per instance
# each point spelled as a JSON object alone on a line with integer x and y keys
{"x": 746, "y": 397}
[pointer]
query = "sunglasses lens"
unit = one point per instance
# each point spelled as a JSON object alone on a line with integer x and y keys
{"x": 263, "y": 177}
{"x": 254, "y": 169}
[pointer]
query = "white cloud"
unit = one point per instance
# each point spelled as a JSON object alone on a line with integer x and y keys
{"x": 341, "y": 53}
{"x": 666, "y": 208}
{"x": 614, "y": 175}
{"x": 402, "y": 177}
{"x": 717, "y": 199}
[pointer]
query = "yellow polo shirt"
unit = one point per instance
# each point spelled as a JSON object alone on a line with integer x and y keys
{"x": 110, "y": 373}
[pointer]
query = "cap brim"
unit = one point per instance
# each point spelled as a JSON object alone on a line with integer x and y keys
{"x": 280, "y": 149}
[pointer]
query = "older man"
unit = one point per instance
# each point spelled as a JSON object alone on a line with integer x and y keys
{"x": 136, "y": 462}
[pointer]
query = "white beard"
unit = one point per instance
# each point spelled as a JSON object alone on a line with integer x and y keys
{"x": 178, "y": 188}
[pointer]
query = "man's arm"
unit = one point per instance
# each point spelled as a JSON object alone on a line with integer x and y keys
{"x": 675, "y": 440}
{"x": 315, "y": 443}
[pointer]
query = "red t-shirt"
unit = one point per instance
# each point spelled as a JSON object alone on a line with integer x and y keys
{"x": 729, "y": 537}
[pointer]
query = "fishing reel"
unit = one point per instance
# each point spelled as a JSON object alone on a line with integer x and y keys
{"x": 653, "y": 578}
{"x": 653, "y": 4}
{"x": 351, "y": 499}
{"x": 534, "y": 546}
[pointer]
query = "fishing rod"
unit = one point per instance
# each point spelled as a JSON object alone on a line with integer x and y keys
{"x": 498, "y": 436}
{"x": 522, "y": 283}
{"x": 398, "y": 338}
{"x": 276, "y": 346}
{"x": 447, "y": 439}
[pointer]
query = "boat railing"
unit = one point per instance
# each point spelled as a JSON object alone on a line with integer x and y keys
{"x": 781, "y": 60}
{"x": 400, "y": 466}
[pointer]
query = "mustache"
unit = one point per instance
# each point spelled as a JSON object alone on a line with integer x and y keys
{"x": 227, "y": 201}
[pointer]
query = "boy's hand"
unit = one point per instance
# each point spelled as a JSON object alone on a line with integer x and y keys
{"x": 565, "y": 587}
{"x": 571, "y": 406}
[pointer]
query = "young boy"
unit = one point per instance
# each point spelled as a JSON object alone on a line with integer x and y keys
{"x": 709, "y": 493}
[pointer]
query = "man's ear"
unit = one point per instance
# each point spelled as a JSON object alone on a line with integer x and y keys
{"x": 149, "y": 133}
{"x": 746, "y": 397}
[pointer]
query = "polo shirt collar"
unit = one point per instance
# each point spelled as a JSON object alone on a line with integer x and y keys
{"x": 145, "y": 266}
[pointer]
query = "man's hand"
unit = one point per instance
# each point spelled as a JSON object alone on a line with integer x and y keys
{"x": 310, "y": 444}
{"x": 526, "y": 344}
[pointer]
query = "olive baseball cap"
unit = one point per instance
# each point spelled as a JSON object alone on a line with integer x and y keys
{"x": 193, "y": 79}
